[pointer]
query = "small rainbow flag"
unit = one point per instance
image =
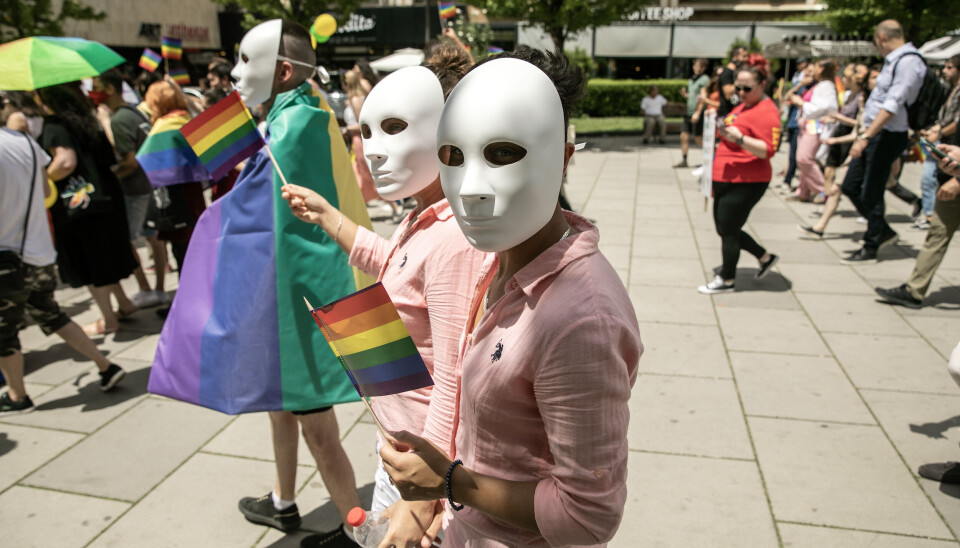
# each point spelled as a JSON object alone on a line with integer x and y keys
{"x": 149, "y": 59}
{"x": 493, "y": 50}
{"x": 373, "y": 345}
{"x": 920, "y": 152}
{"x": 814, "y": 127}
{"x": 447, "y": 10}
{"x": 171, "y": 48}
{"x": 165, "y": 155}
{"x": 180, "y": 76}
{"x": 223, "y": 136}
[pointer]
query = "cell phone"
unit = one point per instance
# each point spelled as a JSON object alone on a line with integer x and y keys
{"x": 933, "y": 149}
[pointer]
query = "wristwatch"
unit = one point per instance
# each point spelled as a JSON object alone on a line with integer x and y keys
{"x": 740, "y": 140}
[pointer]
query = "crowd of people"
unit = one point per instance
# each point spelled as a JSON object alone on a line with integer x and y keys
{"x": 480, "y": 270}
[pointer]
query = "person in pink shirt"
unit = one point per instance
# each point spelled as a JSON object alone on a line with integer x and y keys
{"x": 551, "y": 349}
{"x": 428, "y": 267}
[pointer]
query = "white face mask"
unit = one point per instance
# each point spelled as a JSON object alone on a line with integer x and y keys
{"x": 501, "y": 141}
{"x": 254, "y": 77}
{"x": 398, "y": 123}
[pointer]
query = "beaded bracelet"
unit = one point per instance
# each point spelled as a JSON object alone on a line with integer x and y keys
{"x": 453, "y": 505}
{"x": 336, "y": 239}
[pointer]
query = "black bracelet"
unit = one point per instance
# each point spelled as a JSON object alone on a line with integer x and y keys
{"x": 453, "y": 505}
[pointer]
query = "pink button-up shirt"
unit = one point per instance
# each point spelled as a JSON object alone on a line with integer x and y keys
{"x": 547, "y": 373}
{"x": 429, "y": 269}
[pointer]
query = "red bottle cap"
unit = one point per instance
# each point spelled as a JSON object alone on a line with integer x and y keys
{"x": 356, "y": 517}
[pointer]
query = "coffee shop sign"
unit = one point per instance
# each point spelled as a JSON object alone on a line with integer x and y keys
{"x": 660, "y": 14}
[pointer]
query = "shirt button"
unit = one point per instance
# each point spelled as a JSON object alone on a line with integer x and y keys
{"x": 598, "y": 473}
{"x": 513, "y": 284}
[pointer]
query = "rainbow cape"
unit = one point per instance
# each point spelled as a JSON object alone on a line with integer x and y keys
{"x": 171, "y": 48}
{"x": 447, "y": 10}
{"x": 237, "y": 339}
{"x": 375, "y": 348}
{"x": 149, "y": 60}
{"x": 223, "y": 135}
{"x": 165, "y": 155}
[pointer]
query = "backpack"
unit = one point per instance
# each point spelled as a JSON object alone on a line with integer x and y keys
{"x": 924, "y": 110}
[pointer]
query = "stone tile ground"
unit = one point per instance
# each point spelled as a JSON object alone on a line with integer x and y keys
{"x": 791, "y": 413}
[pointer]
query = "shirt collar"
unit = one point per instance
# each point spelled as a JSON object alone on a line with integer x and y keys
{"x": 561, "y": 254}
{"x": 897, "y": 53}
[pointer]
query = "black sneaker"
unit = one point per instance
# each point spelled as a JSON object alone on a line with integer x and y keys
{"x": 808, "y": 233}
{"x": 917, "y": 209}
{"x": 889, "y": 238}
{"x": 717, "y": 285}
{"x": 861, "y": 256}
{"x": 765, "y": 267}
{"x": 261, "y": 510}
{"x": 680, "y": 164}
{"x": 899, "y": 295}
{"x": 333, "y": 539}
{"x": 7, "y": 404}
{"x": 944, "y": 472}
{"x": 110, "y": 377}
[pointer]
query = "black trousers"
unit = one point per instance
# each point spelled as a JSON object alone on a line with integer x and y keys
{"x": 732, "y": 203}
{"x": 866, "y": 181}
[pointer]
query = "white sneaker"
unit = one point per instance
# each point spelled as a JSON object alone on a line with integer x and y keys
{"x": 718, "y": 285}
{"x": 697, "y": 172}
{"x": 145, "y": 299}
{"x": 161, "y": 297}
{"x": 862, "y": 220}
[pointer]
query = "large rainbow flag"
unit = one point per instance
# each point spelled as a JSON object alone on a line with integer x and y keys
{"x": 165, "y": 155}
{"x": 237, "y": 338}
{"x": 223, "y": 135}
{"x": 375, "y": 348}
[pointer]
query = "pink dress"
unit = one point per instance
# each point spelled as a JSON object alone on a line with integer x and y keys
{"x": 429, "y": 270}
{"x": 546, "y": 376}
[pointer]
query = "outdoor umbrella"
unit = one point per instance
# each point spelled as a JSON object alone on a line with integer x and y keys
{"x": 40, "y": 61}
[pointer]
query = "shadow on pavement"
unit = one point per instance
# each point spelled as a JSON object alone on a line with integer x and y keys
{"x": 597, "y": 143}
{"x": 6, "y": 444}
{"x": 950, "y": 490}
{"x": 944, "y": 298}
{"x": 936, "y": 429}
{"x": 92, "y": 399}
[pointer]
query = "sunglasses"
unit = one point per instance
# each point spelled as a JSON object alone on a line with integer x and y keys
{"x": 745, "y": 89}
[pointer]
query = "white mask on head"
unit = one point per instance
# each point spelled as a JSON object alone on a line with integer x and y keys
{"x": 503, "y": 177}
{"x": 254, "y": 76}
{"x": 398, "y": 123}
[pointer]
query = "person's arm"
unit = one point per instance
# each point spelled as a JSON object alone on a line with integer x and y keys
{"x": 127, "y": 165}
{"x": 950, "y": 164}
{"x": 949, "y": 130}
{"x": 848, "y": 138}
{"x": 910, "y": 70}
{"x": 17, "y": 121}
{"x": 63, "y": 163}
{"x": 822, "y": 102}
{"x": 758, "y": 147}
{"x": 842, "y": 119}
{"x": 103, "y": 116}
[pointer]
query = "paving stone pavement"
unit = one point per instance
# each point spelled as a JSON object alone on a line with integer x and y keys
{"x": 793, "y": 412}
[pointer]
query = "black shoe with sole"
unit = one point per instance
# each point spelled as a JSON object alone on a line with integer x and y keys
{"x": 7, "y": 404}
{"x": 333, "y": 539}
{"x": 889, "y": 238}
{"x": 809, "y": 233}
{"x": 765, "y": 267}
{"x": 261, "y": 510}
{"x": 861, "y": 256}
{"x": 899, "y": 295}
{"x": 944, "y": 472}
{"x": 682, "y": 163}
{"x": 110, "y": 377}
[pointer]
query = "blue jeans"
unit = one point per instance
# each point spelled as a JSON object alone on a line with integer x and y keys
{"x": 928, "y": 184}
{"x": 866, "y": 181}
{"x": 792, "y": 133}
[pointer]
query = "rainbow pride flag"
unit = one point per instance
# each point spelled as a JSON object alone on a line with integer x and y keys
{"x": 166, "y": 157}
{"x": 149, "y": 60}
{"x": 366, "y": 333}
{"x": 180, "y": 76}
{"x": 447, "y": 10}
{"x": 223, "y": 136}
{"x": 237, "y": 338}
{"x": 493, "y": 50}
{"x": 920, "y": 152}
{"x": 171, "y": 48}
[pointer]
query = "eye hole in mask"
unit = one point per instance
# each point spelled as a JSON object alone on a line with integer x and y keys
{"x": 393, "y": 126}
{"x": 504, "y": 153}
{"x": 365, "y": 131}
{"x": 450, "y": 156}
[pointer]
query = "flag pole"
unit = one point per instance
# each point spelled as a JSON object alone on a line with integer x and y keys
{"x": 383, "y": 431}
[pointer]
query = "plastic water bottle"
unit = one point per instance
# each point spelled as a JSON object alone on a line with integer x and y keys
{"x": 369, "y": 528}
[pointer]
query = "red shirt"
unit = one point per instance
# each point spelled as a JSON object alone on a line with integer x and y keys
{"x": 733, "y": 164}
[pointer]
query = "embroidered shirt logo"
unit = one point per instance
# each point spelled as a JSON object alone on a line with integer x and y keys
{"x": 498, "y": 353}
{"x": 404, "y": 261}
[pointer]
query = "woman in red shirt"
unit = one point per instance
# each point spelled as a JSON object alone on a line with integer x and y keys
{"x": 742, "y": 172}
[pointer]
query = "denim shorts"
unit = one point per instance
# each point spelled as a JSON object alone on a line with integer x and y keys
{"x": 137, "y": 215}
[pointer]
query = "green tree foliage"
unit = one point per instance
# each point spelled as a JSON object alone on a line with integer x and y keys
{"x": 560, "y": 18}
{"x": 475, "y": 35}
{"x": 22, "y": 18}
{"x": 922, "y": 20}
{"x": 301, "y": 11}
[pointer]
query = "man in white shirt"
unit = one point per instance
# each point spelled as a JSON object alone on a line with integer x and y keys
{"x": 652, "y": 107}
{"x": 22, "y": 168}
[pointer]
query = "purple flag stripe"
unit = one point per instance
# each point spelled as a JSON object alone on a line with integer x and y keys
{"x": 403, "y": 384}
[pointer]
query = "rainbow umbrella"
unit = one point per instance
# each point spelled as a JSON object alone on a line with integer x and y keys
{"x": 41, "y": 61}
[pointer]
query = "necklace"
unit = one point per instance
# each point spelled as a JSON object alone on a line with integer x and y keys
{"x": 486, "y": 296}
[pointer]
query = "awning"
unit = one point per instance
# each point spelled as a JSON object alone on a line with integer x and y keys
{"x": 406, "y": 57}
{"x": 941, "y": 49}
{"x": 790, "y": 49}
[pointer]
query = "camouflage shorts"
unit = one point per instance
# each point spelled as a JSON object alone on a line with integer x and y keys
{"x": 36, "y": 298}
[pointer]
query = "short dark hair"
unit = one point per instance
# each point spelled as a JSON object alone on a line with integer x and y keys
{"x": 736, "y": 49}
{"x": 295, "y": 43}
{"x": 220, "y": 70}
{"x": 955, "y": 61}
{"x": 829, "y": 67}
{"x": 214, "y": 95}
{"x": 113, "y": 78}
{"x": 567, "y": 78}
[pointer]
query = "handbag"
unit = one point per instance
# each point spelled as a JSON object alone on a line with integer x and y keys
{"x": 11, "y": 262}
{"x": 169, "y": 209}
